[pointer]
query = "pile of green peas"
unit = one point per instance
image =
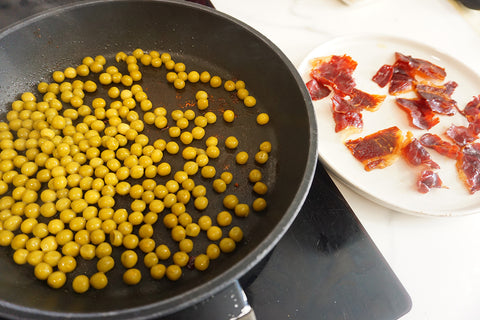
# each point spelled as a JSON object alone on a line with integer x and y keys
{"x": 62, "y": 162}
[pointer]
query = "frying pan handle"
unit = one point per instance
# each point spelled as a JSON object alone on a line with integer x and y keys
{"x": 230, "y": 303}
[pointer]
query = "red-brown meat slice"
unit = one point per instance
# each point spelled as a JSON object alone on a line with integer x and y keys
{"x": 401, "y": 81}
{"x": 416, "y": 155}
{"x": 437, "y": 97}
{"x": 472, "y": 109}
{"x": 468, "y": 167}
{"x": 427, "y": 180}
{"x": 419, "y": 113}
{"x": 443, "y": 147}
{"x": 351, "y": 121}
{"x": 335, "y": 72}
{"x": 317, "y": 90}
{"x": 420, "y": 67}
{"x": 461, "y": 135}
{"x": 366, "y": 101}
{"x": 377, "y": 150}
{"x": 383, "y": 75}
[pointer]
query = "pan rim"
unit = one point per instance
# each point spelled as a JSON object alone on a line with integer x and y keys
{"x": 236, "y": 271}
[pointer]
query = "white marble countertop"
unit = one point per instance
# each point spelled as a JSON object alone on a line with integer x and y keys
{"x": 436, "y": 259}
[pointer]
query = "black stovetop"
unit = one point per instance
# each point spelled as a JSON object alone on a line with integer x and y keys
{"x": 325, "y": 267}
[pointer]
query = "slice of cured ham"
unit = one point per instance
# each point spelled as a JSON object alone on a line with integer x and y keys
{"x": 347, "y": 116}
{"x": 350, "y": 121}
{"x": 347, "y": 109}
{"x": 415, "y": 154}
{"x": 403, "y": 75}
{"x": 443, "y": 147}
{"x": 334, "y": 71}
{"x": 419, "y": 113}
{"x": 377, "y": 150}
{"x": 468, "y": 167}
{"x": 419, "y": 67}
{"x": 472, "y": 109}
{"x": 427, "y": 180}
{"x": 383, "y": 75}
{"x": 438, "y": 97}
{"x": 401, "y": 81}
{"x": 366, "y": 101}
{"x": 317, "y": 90}
{"x": 461, "y": 135}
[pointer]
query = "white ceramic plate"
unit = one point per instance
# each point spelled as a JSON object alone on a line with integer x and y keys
{"x": 394, "y": 186}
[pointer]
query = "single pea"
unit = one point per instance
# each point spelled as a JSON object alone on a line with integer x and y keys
{"x": 204, "y": 77}
{"x": 178, "y": 208}
{"x": 129, "y": 258}
{"x": 193, "y": 76}
{"x": 81, "y": 284}
{"x": 172, "y": 147}
{"x": 157, "y": 271}
{"x": 213, "y": 152}
{"x": 56, "y": 279}
{"x": 260, "y": 188}
{"x": 231, "y": 142}
{"x": 199, "y": 191}
{"x": 116, "y": 238}
{"x": 130, "y": 241}
{"x": 219, "y": 185}
{"x": 132, "y": 276}
{"x": 20, "y": 256}
{"x": 242, "y": 93}
{"x": 208, "y": 172}
{"x": 147, "y": 245}
{"x": 213, "y": 251}
{"x": 202, "y": 104}
{"x": 173, "y": 272}
{"x": 103, "y": 249}
{"x": 180, "y": 258}
{"x": 262, "y": 118}
{"x": 192, "y": 229}
{"x": 179, "y": 84}
{"x": 171, "y": 76}
{"x": 52, "y": 258}
{"x": 67, "y": 264}
{"x": 242, "y": 210}
{"x": 230, "y": 201}
{"x": 198, "y": 133}
{"x": 150, "y": 259}
{"x": 211, "y": 117}
{"x": 227, "y": 177}
{"x": 162, "y": 252}
{"x": 87, "y": 251}
{"x": 241, "y": 157}
{"x": 214, "y": 233}
{"x": 255, "y": 175}
{"x": 215, "y": 81}
{"x": 236, "y": 234}
{"x": 266, "y": 146}
{"x": 261, "y": 157}
{"x": 19, "y": 241}
{"x": 229, "y": 85}
{"x": 178, "y": 233}
{"x": 259, "y": 204}
{"x": 229, "y": 116}
{"x": 250, "y": 101}
{"x": 227, "y": 245}
{"x": 184, "y": 219}
{"x": 99, "y": 280}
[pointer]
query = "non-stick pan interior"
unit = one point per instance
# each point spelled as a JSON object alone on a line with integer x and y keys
{"x": 204, "y": 40}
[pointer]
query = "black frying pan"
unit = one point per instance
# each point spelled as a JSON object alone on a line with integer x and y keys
{"x": 204, "y": 40}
